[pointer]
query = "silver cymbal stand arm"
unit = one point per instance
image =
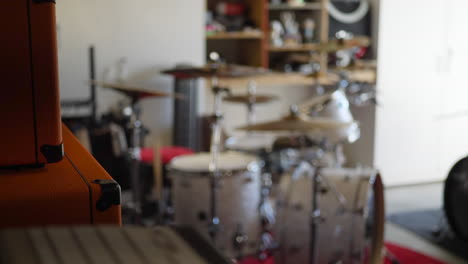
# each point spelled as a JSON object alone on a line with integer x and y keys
{"x": 135, "y": 159}
{"x": 252, "y": 90}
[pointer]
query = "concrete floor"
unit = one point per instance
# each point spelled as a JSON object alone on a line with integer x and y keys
{"x": 403, "y": 199}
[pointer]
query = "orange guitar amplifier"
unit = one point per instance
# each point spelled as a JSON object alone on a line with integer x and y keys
{"x": 30, "y": 131}
{"x": 74, "y": 191}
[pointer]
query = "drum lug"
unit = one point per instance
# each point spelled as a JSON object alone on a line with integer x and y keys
{"x": 317, "y": 217}
{"x": 202, "y": 216}
{"x": 240, "y": 239}
{"x": 298, "y": 207}
{"x": 248, "y": 180}
{"x": 359, "y": 211}
{"x": 324, "y": 190}
{"x": 214, "y": 226}
{"x": 347, "y": 178}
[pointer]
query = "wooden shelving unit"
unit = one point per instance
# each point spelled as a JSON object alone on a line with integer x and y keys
{"x": 236, "y": 35}
{"x": 247, "y": 48}
{"x": 315, "y": 10}
{"x": 286, "y": 7}
{"x": 253, "y": 48}
{"x": 295, "y": 48}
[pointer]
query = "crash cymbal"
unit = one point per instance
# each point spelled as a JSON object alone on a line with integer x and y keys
{"x": 218, "y": 70}
{"x": 135, "y": 92}
{"x": 250, "y": 98}
{"x": 297, "y": 123}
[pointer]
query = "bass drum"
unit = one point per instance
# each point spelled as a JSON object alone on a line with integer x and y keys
{"x": 237, "y": 203}
{"x": 351, "y": 225}
{"x": 456, "y": 197}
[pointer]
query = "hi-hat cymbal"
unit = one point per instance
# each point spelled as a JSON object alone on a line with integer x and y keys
{"x": 250, "y": 98}
{"x": 135, "y": 92}
{"x": 297, "y": 123}
{"x": 221, "y": 71}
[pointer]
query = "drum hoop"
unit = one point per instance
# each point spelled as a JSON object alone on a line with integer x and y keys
{"x": 447, "y": 207}
{"x": 379, "y": 217}
{"x": 222, "y": 172}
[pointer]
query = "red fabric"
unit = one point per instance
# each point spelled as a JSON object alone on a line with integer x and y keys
{"x": 167, "y": 154}
{"x": 362, "y": 51}
{"x": 408, "y": 256}
{"x": 269, "y": 260}
{"x": 403, "y": 255}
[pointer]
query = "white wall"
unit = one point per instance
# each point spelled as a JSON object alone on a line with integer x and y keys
{"x": 422, "y": 58}
{"x": 453, "y": 118}
{"x": 152, "y": 35}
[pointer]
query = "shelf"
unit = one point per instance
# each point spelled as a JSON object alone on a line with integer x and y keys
{"x": 295, "y": 48}
{"x": 306, "y": 6}
{"x": 236, "y": 35}
{"x": 331, "y": 46}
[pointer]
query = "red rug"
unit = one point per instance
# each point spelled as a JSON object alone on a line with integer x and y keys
{"x": 403, "y": 255}
{"x": 408, "y": 256}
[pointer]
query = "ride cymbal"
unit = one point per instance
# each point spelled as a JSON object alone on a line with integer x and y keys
{"x": 218, "y": 70}
{"x": 250, "y": 98}
{"x": 135, "y": 92}
{"x": 295, "y": 122}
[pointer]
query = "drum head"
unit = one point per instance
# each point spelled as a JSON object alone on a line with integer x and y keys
{"x": 228, "y": 161}
{"x": 456, "y": 197}
{"x": 250, "y": 142}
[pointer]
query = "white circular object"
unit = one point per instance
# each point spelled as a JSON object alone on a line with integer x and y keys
{"x": 228, "y": 161}
{"x": 250, "y": 142}
{"x": 349, "y": 18}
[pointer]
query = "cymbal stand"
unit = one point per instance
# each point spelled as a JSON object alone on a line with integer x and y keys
{"x": 215, "y": 150}
{"x": 134, "y": 152}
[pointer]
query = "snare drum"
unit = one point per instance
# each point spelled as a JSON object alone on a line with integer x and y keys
{"x": 237, "y": 203}
{"x": 251, "y": 143}
{"x": 350, "y": 231}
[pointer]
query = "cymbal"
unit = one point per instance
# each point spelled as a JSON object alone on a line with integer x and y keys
{"x": 221, "y": 71}
{"x": 250, "y": 98}
{"x": 295, "y": 122}
{"x": 135, "y": 92}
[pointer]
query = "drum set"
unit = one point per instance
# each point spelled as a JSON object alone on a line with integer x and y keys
{"x": 279, "y": 191}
